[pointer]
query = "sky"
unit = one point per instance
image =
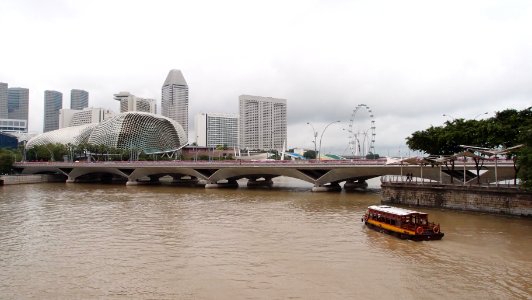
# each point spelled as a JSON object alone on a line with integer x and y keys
{"x": 410, "y": 62}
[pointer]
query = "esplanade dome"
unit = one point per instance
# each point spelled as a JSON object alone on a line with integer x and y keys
{"x": 141, "y": 131}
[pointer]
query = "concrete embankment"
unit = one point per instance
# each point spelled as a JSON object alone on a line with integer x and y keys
{"x": 502, "y": 200}
{"x": 23, "y": 179}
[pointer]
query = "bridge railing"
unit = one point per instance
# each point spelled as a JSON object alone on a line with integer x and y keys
{"x": 217, "y": 162}
{"x": 354, "y": 162}
{"x": 398, "y": 179}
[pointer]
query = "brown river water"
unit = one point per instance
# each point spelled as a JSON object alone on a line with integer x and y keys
{"x": 72, "y": 241}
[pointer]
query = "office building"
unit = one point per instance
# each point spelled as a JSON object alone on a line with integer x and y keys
{"x": 3, "y": 100}
{"x": 174, "y": 98}
{"x": 13, "y": 109}
{"x": 263, "y": 123}
{"x": 216, "y": 129}
{"x": 53, "y": 102}
{"x": 79, "y": 99}
{"x": 74, "y": 117}
{"x": 130, "y": 102}
{"x": 17, "y": 103}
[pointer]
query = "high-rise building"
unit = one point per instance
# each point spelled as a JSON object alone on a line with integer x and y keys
{"x": 3, "y": 100}
{"x": 174, "y": 98}
{"x": 74, "y": 117}
{"x": 263, "y": 123}
{"x": 17, "y": 103}
{"x": 129, "y": 102}
{"x": 79, "y": 99}
{"x": 13, "y": 109}
{"x": 53, "y": 102}
{"x": 216, "y": 129}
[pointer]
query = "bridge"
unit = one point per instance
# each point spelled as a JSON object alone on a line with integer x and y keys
{"x": 324, "y": 175}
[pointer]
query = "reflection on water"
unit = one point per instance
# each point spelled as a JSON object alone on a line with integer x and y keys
{"x": 115, "y": 241}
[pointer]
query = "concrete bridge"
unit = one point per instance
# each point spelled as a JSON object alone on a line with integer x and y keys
{"x": 324, "y": 175}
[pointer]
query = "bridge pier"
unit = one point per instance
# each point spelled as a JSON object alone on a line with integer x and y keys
{"x": 331, "y": 187}
{"x": 186, "y": 181}
{"x": 229, "y": 184}
{"x": 266, "y": 182}
{"x": 359, "y": 185}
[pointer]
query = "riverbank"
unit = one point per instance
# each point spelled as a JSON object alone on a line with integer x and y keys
{"x": 34, "y": 178}
{"x": 492, "y": 199}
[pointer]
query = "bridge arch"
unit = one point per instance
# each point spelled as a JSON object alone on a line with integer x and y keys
{"x": 78, "y": 172}
{"x": 237, "y": 173}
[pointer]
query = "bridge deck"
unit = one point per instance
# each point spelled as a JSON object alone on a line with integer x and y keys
{"x": 319, "y": 173}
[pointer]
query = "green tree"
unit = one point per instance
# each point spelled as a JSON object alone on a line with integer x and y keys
{"x": 309, "y": 154}
{"x": 524, "y": 160}
{"x": 7, "y": 158}
{"x": 507, "y": 128}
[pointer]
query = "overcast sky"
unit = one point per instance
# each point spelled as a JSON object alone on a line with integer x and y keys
{"x": 409, "y": 61}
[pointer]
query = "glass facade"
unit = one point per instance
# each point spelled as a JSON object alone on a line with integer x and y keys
{"x": 53, "y": 102}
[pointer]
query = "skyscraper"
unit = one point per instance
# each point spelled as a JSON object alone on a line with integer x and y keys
{"x": 263, "y": 122}
{"x": 3, "y": 100}
{"x": 174, "y": 98}
{"x": 13, "y": 109}
{"x": 130, "y": 102}
{"x": 216, "y": 129}
{"x": 17, "y": 103}
{"x": 79, "y": 99}
{"x": 53, "y": 102}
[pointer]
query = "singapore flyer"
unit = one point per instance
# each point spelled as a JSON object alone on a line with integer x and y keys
{"x": 362, "y": 131}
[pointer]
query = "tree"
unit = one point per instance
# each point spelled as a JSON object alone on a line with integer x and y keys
{"x": 310, "y": 154}
{"x": 372, "y": 156}
{"x": 507, "y": 128}
{"x": 7, "y": 158}
{"x": 524, "y": 160}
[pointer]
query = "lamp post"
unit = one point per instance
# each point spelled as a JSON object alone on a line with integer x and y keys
{"x": 315, "y": 134}
{"x": 480, "y": 115}
{"x": 449, "y": 116}
{"x": 321, "y": 137}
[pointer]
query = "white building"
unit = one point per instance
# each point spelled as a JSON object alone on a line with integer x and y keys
{"x": 74, "y": 117}
{"x": 216, "y": 129}
{"x": 263, "y": 123}
{"x": 174, "y": 98}
{"x": 13, "y": 125}
{"x": 130, "y": 102}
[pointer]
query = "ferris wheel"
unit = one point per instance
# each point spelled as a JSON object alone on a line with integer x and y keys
{"x": 362, "y": 131}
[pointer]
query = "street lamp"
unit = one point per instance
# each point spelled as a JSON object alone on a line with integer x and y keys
{"x": 315, "y": 133}
{"x": 319, "y": 151}
{"x": 480, "y": 115}
{"x": 449, "y": 116}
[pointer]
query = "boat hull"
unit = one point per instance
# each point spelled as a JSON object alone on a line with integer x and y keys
{"x": 407, "y": 236}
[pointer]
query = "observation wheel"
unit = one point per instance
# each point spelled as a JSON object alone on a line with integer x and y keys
{"x": 362, "y": 131}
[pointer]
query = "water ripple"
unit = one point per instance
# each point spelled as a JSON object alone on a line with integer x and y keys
{"x": 113, "y": 241}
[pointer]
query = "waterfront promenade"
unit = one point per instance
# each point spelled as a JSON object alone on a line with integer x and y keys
{"x": 324, "y": 175}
